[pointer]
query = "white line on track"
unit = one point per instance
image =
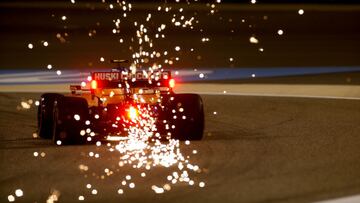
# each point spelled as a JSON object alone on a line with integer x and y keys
{"x": 274, "y": 95}
{"x": 349, "y": 199}
{"x": 62, "y": 88}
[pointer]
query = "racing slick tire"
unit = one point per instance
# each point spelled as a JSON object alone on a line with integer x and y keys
{"x": 70, "y": 115}
{"x": 45, "y": 114}
{"x": 188, "y": 117}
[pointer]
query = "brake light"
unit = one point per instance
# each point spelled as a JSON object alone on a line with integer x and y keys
{"x": 93, "y": 84}
{"x": 171, "y": 83}
{"x": 133, "y": 113}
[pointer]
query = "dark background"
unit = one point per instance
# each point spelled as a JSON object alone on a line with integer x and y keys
{"x": 222, "y": 1}
{"x": 326, "y": 35}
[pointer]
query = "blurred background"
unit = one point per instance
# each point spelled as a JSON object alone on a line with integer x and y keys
{"x": 290, "y": 37}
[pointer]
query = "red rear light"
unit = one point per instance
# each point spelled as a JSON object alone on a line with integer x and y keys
{"x": 93, "y": 84}
{"x": 171, "y": 83}
{"x": 133, "y": 113}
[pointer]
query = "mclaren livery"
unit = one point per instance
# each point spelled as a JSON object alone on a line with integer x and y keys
{"x": 113, "y": 102}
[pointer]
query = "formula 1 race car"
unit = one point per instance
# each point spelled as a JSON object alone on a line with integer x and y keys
{"x": 117, "y": 100}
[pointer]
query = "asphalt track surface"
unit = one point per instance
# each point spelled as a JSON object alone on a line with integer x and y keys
{"x": 256, "y": 149}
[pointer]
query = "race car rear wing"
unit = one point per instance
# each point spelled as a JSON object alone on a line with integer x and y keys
{"x": 125, "y": 76}
{"x": 160, "y": 80}
{"x": 138, "y": 79}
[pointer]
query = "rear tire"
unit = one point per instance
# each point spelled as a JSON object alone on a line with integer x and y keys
{"x": 188, "y": 118}
{"x": 45, "y": 114}
{"x": 66, "y": 129}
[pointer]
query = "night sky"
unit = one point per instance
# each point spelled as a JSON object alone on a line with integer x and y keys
{"x": 211, "y": 1}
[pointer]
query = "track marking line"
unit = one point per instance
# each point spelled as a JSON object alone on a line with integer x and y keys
{"x": 348, "y": 199}
{"x": 274, "y": 95}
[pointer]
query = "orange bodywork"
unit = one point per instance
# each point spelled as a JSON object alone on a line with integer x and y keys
{"x": 97, "y": 92}
{"x": 118, "y": 95}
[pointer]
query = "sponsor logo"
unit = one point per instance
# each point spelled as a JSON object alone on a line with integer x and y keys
{"x": 106, "y": 76}
{"x": 140, "y": 75}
